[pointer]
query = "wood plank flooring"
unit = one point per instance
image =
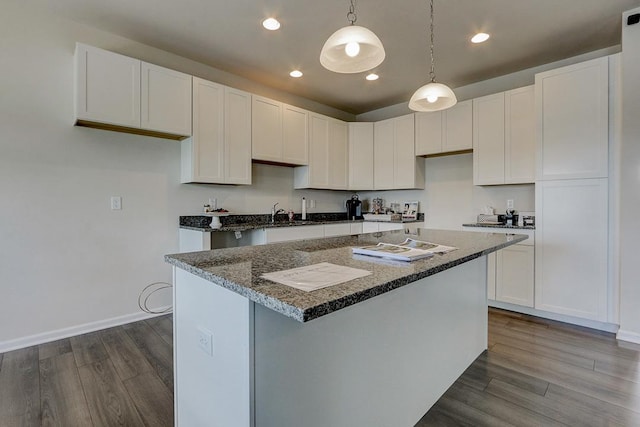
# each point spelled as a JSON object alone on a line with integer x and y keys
{"x": 536, "y": 372}
{"x": 121, "y": 376}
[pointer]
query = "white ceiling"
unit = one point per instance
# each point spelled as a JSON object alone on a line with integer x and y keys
{"x": 227, "y": 34}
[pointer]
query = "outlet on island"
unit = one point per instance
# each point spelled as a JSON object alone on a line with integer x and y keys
{"x": 205, "y": 340}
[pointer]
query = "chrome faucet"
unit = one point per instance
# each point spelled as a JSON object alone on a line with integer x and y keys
{"x": 275, "y": 212}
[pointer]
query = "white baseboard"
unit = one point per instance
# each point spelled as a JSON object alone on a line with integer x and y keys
{"x": 45, "y": 337}
{"x": 633, "y": 337}
{"x": 593, "y": 324}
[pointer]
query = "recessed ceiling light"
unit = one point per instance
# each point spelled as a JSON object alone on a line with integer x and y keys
{"x": 372, "y": 77}
{"x": 271, "y": 24}
{"x": 296, "y": 73}
{"x": 479, "y": 38}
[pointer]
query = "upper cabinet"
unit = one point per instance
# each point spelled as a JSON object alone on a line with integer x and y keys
{"x": 504, "y": 138}
{"x": 280, "y": 132}
{"x": 119, "y": 93}
{"x": 572, "y": 105}
{"x": 360, "y": 156}
{"x": 219, "y": 152}
{"x": 328, "y": 155}
{"x": 448, "y": 131}
{"x": 166, "y": 100}
{"x": 394, "y": 158}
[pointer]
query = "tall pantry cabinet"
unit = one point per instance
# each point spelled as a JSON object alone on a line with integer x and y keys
{"x": 572, "y": 198}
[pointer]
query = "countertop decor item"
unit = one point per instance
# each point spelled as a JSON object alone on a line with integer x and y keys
{"x": 432, "y": 96}
{"x": 352, "y": 49}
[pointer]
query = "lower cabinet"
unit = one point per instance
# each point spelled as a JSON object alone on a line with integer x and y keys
{"x": 514, "y": 274}
{"x": 510, "y": 271}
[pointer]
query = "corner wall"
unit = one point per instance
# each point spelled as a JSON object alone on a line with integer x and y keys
{"x": 630, "y": 183}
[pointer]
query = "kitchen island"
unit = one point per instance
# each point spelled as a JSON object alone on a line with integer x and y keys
{"x": 374, "y": 351}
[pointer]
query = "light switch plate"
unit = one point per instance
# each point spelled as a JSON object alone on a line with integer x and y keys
{"x": 116, "y": 203}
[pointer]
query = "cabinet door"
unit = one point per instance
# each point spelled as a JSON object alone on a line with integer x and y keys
{"x": 491, "y": 276}
{"x": 107, "y": 87}
{"x": 318, "y": 151}
{"x": 571, "y": 247}
{"x": 457, "y": 127}
{"x": 369, "y": 227}
{"x": 404, "y": 167}
{"x": 165, "y": 100}
{"x": 572, "y": 108}
{"x": 237, "y": 136}
{"x": 428, "y": 133}
{"x": 295, "y": 135}
{"x": 331, "y": 230}
{"x": 338, "y": 155}
{"x": 488, "y": 140}
{"x": 388, "y": 226}
{"x": 285, "y": 234}
{"x": 360, "y": 156}
{"x": 205, "y": 149}
{"x": 266, "y": 129}
{"x": 383, "y": 154}
{"x": 520, "y": 136}
{"x": 514, "y": 275}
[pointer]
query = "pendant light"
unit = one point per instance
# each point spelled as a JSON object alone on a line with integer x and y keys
{"x": 352, "y": 49}
{"x": 432, "y": 96}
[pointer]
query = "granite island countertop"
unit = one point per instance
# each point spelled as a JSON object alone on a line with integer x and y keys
{"x": 512, "y": 227}
{"x": 239, "y": 269}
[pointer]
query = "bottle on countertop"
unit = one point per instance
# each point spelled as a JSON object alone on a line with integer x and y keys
{"x": 290, "y": 216}
{"x": 304, "y": 209}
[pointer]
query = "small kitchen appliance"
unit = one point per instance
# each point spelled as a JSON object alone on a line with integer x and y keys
{"x": 354, "y": 208}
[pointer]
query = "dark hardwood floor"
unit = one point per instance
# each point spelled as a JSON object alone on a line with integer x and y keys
{"x": 536, "y": 372}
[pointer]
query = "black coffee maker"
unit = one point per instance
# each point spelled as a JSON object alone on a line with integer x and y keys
{"x": 354, "y": 208}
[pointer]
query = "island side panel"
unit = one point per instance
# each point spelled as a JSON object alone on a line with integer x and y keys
{"x": 212, "y": 390}
{"x": 382, "y": 362}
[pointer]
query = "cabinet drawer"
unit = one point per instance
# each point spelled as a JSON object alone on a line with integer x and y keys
{"x": 285, "y": 234}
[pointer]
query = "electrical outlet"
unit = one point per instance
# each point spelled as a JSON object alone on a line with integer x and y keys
{"x": 509, "y": 203}
{"x": 312, "y": 203}
{"x": 116, "y": 203}
{"x": 205, "y": 340}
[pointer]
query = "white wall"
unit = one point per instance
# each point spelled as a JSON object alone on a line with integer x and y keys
{"x": 630, "y": 183}
{"x": 488, "y": 87}
{"x": 68, "y": 262}
{"x": 450, "y": 199}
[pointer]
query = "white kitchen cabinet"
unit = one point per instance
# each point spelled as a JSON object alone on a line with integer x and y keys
{"x": 107, "y": 87}
{"x": 571, "y": 270}
{"x": 266, "y": 129}
{"x": 360, "y": 156}
{"x": 328, "y": 155}
{"x": 342, "y": 229}
{"x": 491, "y": 276}
{"x": 448, "y": 131}
{"x": 280, "y": 132}
{"x": 165, "y": 102}
{"x": 237, "y": 136}
{"x": 219, "y": 152}
{"x": 118, "y": 93}
{"x": 572, "y": 107}
{"x": 488, "y": 140}
{"x": 295, "y": 135}
{"x": 520, "y": 136}
{"x": 285, "y": 234}
{"x": 510, "y": 271}
{"x": 504, "y": 138}
{"x": 514, "y": 280}
{"x": 395, "y": 162}
{"x": 374, "y": 227}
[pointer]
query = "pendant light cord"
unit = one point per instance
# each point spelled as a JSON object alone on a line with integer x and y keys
{"x": 432, "y": 73}
{"x": 351, "y": 15}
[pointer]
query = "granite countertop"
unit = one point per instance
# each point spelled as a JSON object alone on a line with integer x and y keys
{"x": 513, "y": 227}
{"x": 253, "y": 222}
{"x": 239, "y": 269}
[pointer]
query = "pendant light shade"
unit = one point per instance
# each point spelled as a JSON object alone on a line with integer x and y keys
{"x": 432, "y": 96}
{"x": 352, "y": 49}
